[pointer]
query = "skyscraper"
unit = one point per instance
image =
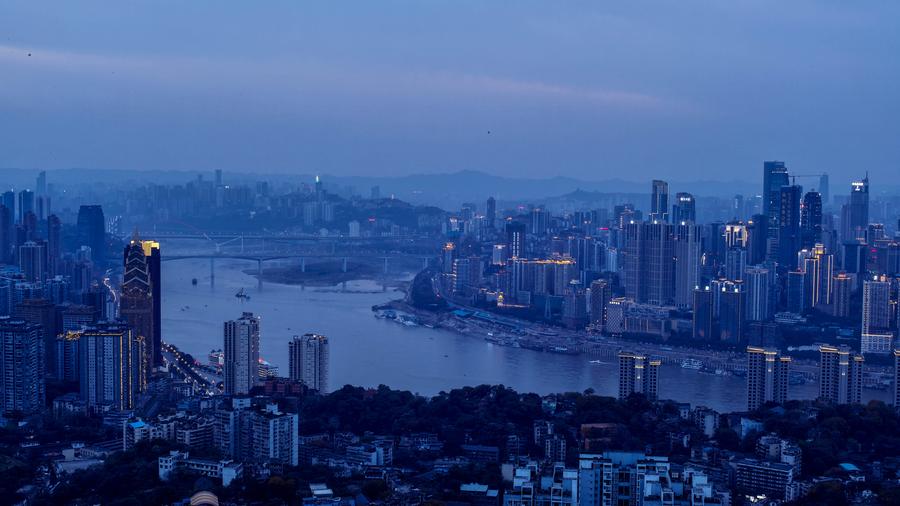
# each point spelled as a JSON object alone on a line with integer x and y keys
{"x": 857, "y": 215}
{"x": 687, "y": 262}
{"x": 111, "y": 365}
{"x": 841, "y": 286}
{"x": 7, "y": 240}
{"x": 811, "y": 220}
{"x": 775, "y": 175}
{"x": 241, "y": 354}
{"x": 757, "y": 239}
{"x": 649, "y": 262}
{"x": 33, "y": 260}
{"x": 684, "y": 210}
{"x": 308, "y": 359}
{"x": 54, "y": 244}
{"x": 731, "y": 313}
{"x": 638, "y": 375}
{"x": 840, "y": 375}
{"x": 789, "y": 227}
{"x": 659, "y": 201}
{"x": 825, "y": 190}
{"x": 600, "y": 295}
{"x": 515, "y": 239}
{"x": 92, "y": 232}
{"x": 21, "y": 366}
{"x": 767, "y": 377}
{"x": 703, "y": 314}
{"x": 760, "y": 297}
{"x": 876, "y": 335}
{"x": 490, "y": 213}
{"x": 136, "y": 303}
{"x": 42, "y": 312}
{"x": 25, "y": 203}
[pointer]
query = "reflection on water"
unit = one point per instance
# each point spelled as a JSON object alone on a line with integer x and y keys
{"x": 368, "y": 351}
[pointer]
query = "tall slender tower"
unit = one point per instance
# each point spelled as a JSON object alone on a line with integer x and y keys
{"x": 308, "y": 356}
{"x": 775, "y": 175}
{"x": 136, "y": 304}
{"x": 876, "y": 335}
{"x": 241, "y": 354}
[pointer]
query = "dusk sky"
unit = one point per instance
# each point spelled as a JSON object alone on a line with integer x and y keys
{"x": 679, "y": 89}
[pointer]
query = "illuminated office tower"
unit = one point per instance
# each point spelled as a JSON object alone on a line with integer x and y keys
{"x": 687, "y": 263}
{"x": 308, "y": 360}
{"x": 841, "y": 289}
{"x": 684, "y": 210}
{"x": 767, "y": 377}
{"x": 760, "y": 294}
{"x": 110, "y": 365}
{"x": 638, "y": 375}
{"x": 818, "y": 268}
{"x": 241, "y": 354}
{"x": 789, "y": 237}
{"x": 811, "y": 220}
{"x": 659, "y": 201}
{"x": 775, "y": 175}
{"x": 22, "y": 366}
{"x": 840, "y": 375}
{"x": 876, "y": 336}
{"x": 703, "y": 314}
{"x": 136, "y": 305}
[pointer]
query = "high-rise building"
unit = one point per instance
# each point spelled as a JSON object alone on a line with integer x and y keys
{"x": 600, "y": 295}
{"x": 136, "y": 302}
{"x": 638, "y": 375}
{"x": 33, "y": 260}
{"x": 824, "y": 190}
{"x": 308, "y": 360}
{"x": 897, "y": 379}
{"x": 26, "y": 203}
{"x": 241, "y": 354}
{"x": 649, "y": 262}
{"x": 687, "y": 262}
{"x": 659, "y": 201}
{"x": 515, "y": 239}
{"x": 789, "y": 237}
{"x": 811, "y": 220}
{"x": 154, "y": 265}
{"x": 797, "y": 290}
{"x": 842, "y": 287}
{"x": 757, "y": 239}
{"x": 42, "y": 312}
{"x": 856, "y": 217}
{"x": 54, "y": 244}
{"x": 684, "y": 210}
{"x": 775, "y": 175}
{"x": 92, "y": 232}
{"x": 760, "y": 285}
{"x": 767, "y": 377}
{"x": 110, "y": 365}
{"x": 490, "y": 213}
{"x": 840, "y": 375}
{"x": 7, "y": 236}
{"x": 21, "y": 366}
{"x": 735, "y": 263}
{"x": 731, "y": 313}
{"x": 703, "y": 314}
{"x": 876, "y": 335}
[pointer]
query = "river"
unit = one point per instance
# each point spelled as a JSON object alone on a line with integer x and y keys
{"x": 367, "y": 351}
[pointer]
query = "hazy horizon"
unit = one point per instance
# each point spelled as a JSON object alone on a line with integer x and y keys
{"x": 700, "y": 90}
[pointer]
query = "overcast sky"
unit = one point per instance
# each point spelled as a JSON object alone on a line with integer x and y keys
{"x": 678, "y": 89}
